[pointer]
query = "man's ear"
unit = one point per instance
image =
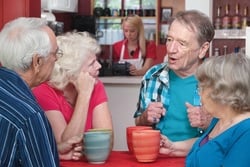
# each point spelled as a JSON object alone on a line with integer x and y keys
{"x": 36, "y": 63}
{"x": 204, "y": 49}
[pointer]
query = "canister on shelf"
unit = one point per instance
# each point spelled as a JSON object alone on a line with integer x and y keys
{"x": 122, "y": 12}
{"x": 216, "y": 51}
{"x": 225, "y": 50}
{"x": 130, "y": 12}
{"x": 236, "y": 49}
{"x": 115, "y": 12}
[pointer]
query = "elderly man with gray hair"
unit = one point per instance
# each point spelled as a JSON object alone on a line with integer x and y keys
{"x": 28, "y": 51}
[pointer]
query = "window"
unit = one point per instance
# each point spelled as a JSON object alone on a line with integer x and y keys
{"x": 108, "y": 24}
{"x": 128, "y": 4}
{"x": 112, "y": 4}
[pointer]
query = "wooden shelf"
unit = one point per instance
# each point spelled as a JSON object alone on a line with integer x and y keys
{"x": 118, "y": 17}
{"x": 230, "y": 34}
{"x": 150, "y": 22}
{"x": 232, "y": 38}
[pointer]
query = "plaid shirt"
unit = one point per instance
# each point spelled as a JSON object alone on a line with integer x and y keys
{"x": 154, "y": 87}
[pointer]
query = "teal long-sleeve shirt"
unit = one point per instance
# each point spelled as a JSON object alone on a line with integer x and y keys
{"x": 229, "y": 149}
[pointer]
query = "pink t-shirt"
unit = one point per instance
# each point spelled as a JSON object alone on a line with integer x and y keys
{"x": 53, "y": 99}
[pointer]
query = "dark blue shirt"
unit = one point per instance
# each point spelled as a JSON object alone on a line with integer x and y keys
{"x": 26, "y": 138}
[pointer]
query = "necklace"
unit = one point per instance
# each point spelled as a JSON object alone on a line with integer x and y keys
{"x": 131, "y": 49}
{"x": 131, "y": 52}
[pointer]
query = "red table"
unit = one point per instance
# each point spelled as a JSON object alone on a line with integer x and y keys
{"x": 125, "y": 159}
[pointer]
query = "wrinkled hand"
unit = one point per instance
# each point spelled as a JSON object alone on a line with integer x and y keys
{"x": 166, "y": 146}
{"x": 71, "y": 149}
{"x": 154, "y": 112}
{"x": 84, "y": 83}
{"x": 197, "y": 117}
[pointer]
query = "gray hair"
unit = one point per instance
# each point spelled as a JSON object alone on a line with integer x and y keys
{"x": 20, "y": 40}
{"x": 76, "y": 48}
{"x": 229, "y": 78}
{"x": 198, "y": 22}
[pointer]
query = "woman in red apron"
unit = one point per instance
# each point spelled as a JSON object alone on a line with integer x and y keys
{"x": 134, "y": 49}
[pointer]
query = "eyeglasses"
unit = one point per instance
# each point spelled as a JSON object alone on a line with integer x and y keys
{"x": 58, "y": 53}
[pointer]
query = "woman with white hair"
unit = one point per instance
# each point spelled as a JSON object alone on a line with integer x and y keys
{"x": 74, "y": 99}
{"x": 224, "y": 83}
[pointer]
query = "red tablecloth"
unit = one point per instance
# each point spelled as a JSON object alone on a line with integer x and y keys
{"x": 125, "y": 159}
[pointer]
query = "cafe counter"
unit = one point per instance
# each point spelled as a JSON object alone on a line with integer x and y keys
{"x": 122, "y": 94}
{"x": 122, "y": 80}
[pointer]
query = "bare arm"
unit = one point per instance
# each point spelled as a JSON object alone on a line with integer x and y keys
{"x": 102, "y": 118}
{"x": 198, "y": 117}
{"x": 77, "y": 122}
{"x": 139, "y": 72}
{"x": 71, "y": 149}
{"x": 176, "y": 149}
{"x": 63, "y": 131}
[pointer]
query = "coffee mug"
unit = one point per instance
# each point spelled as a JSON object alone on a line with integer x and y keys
{"x": 146, "y": 145}
{"x": 129, "y": 131}
{"x": 97, "y": 146}
{"x": 105, "y": 130}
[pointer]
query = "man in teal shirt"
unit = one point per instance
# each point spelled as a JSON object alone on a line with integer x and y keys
{"x": 169, "y": 99}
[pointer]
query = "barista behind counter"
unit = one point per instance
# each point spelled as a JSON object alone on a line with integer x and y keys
{"x": 134, "y": 54}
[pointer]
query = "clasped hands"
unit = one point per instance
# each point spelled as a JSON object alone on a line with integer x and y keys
{"x": 71, "y": 148}
{"x": 196, "y": 116}
{"x": 154, "y": 112}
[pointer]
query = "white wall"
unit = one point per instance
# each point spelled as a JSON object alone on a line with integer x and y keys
{"x": 203, "y": 5}
{"x": 122, "y": 103}
{"x": 123, "y": 95}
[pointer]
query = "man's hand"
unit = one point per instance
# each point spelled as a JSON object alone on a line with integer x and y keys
{"x": 71, "y": 149}
{"x": 151, "y": 115}
{"x": 197, "y": 117}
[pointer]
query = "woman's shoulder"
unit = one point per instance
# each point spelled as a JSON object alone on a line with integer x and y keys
{"x": 99, "y": 92}
{"x": 150, "y": 43}
{"x": 43, "y": 88}
{"x": 118, "y": 43}
{"x": 99, "y": 82}
{"x": 243, "y": 125}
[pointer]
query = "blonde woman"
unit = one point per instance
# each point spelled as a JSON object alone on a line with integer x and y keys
{"x": 134, "y": 49}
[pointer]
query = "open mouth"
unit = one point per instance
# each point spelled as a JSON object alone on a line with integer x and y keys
{"x": 172, "y": 59}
